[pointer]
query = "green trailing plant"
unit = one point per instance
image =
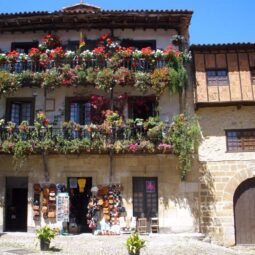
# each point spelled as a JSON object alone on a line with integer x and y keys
{"x": 177, "y": 76}
{"x": 91, "y": 75}
{"x": 155, "y": 133}
{"x": 184, "y": 135}
{"x": 134, "y": 244}
{"x": 160, "y": 80}
{"x": 123, "y": 77}
{"x": 104, "y": 79}
{"x": 51, "y": 79}
{"x": 29, "y": 79}
{"x": 81, "y": 77}
{"x": 8, "y": 83}
{"x": 142, "y": 81}
{"x": 21, "y": 149}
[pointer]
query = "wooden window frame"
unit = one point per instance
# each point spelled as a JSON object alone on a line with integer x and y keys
{"x": 12, "y": 100}
{"x": 131, "y": 100}
{"x": 242, "y": 148}
{"x": 144, "y": 179}
{"x": 217, "y": 83}
{"x": 70, "y": 100}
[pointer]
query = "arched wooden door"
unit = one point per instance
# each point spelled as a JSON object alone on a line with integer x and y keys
{"x": 244, "y": 212}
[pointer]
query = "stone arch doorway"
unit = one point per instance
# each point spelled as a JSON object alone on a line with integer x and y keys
{"x": 244, "y": 212}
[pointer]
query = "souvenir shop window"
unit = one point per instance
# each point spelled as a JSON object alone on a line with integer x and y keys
{"x": 20, "y": 109}
{"x": 142, "y": 107}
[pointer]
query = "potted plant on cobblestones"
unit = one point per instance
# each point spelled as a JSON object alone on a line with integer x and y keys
{"x": 45, "y": 235}
{"x": 134, "y": 244}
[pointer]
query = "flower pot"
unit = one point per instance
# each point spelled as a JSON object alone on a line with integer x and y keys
{"x": 131, "y": 253}
{"x": 44, "y": 245}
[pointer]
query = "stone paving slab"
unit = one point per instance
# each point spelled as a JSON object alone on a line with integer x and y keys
{"x": 87, "y": 244}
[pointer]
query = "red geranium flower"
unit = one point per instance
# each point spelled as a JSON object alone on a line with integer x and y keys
{"x": 171, "y": 51}
{"x": 12, "y": 56}
{"x": 104, "y": 36}
{"x": 57, "y": 54}
{"x": 99, "y": 50}
{"x": 34, "y": 54}
{"x": 146, "y": 51}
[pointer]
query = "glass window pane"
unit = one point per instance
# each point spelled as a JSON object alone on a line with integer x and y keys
{"x": 26, "y": 112}
{"x": 75, "y": 112}
{"x": 87, "y": 113}
{"x": 217, "y": 77}
{"x": 241, "y": 140}
{"x": 15, "y": 113}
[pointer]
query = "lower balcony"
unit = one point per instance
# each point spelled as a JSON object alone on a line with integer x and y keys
{"x": 73, "y": 138}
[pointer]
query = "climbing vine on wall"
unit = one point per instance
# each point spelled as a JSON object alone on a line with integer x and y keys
{"x": 185, "y": 137}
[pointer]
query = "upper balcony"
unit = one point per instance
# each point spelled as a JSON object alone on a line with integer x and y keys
{"x": 50, "y": 66}
{"x": 224, "y": 74}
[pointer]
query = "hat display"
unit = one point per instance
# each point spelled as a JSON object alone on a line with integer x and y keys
{"x": 109, "y": 206}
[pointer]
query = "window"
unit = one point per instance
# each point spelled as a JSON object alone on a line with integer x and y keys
{"x": 19, "y": 109}
{"x": 145, "y": 197}
{"x": 217, "y": 77}
{"x": 139, "y": 44}
{"x": 23, "y": 47}
{"x": 253, "y": 76}
{"x": 240, "y": 140}
{"x": 78, "y": 111}
{"x": 141, "y": 107}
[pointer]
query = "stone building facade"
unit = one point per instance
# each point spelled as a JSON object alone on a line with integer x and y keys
{"x": 220, "y": 182}
{"x": 177, "y": 202}
{"x": 223, "y": 106}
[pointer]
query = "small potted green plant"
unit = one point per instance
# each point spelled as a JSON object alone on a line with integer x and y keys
{"x": 45, "y": 235}
{"x": 134, "y": 244}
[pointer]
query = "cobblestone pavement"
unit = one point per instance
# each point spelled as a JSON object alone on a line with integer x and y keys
{"x": 85, "y": 244}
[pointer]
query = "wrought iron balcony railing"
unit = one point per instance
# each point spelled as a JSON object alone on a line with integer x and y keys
{"x": 132, "y": 64}
{"x": 96, "y": 138}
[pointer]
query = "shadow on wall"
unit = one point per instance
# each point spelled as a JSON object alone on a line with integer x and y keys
{"x": 209, "y": 223}
{"x": 182, "y": 200}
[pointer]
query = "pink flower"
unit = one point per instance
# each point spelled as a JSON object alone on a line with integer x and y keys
{"x": 133, "y": 147}
{"x": 164, "y": 147}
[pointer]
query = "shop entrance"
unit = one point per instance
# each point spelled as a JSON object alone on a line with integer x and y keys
{"x": 16, "y": 204}
{"x": 79, "y": 189}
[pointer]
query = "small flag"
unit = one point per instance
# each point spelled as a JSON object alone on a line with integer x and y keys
{"x": 82, "y": 41}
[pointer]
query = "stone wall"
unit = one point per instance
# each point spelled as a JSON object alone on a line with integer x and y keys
{"x": 219, "y": 181}
{"x": 178, "y": 201}
{"x": 222, "y": 171}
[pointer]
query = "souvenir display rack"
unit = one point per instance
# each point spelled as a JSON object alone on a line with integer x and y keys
{"x": 46, "y": 205}
{"x": 105, "y": 208}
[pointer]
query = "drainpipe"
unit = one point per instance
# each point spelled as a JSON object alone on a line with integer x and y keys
{"x": 112, "y": 139}
{"x": 44, "y": 159}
